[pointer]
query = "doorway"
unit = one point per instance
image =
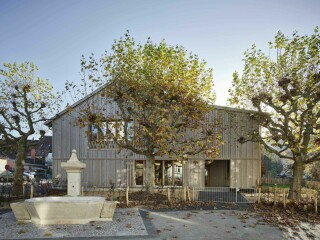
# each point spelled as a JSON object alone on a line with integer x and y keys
{"x": 217, "y": 173}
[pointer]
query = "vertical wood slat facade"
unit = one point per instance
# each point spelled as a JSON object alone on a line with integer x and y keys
{"x": 109, "y": 165}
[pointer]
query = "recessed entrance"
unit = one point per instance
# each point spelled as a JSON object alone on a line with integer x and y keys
{"x": 217, "y": 173}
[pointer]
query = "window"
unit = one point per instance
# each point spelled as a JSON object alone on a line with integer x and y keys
{"x": 116, "y": 129}
{"x": 178, "y": 174}
{"x": 158, "y": 170}
{"x": 139, "y": 167}
{"x": 99, "y": 137}
{"x": 167, "y": 173}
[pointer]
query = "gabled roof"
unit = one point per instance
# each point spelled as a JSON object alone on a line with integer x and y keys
{"x": 58, "y": 115}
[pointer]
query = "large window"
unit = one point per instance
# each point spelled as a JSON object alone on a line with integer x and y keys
{"x": 167, "y": 173}
{"x": 178, "y": 174}
{"x": 100, "y": 137}
{"x": 97, "y": 135}
{"x": 139, "y": 167}
{"x": 158, "y": 172}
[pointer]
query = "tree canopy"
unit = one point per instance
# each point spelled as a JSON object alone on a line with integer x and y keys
{"x": 25, "y": 101}
{"x": 163, "y": 94}
{"x": 284, "y": 89}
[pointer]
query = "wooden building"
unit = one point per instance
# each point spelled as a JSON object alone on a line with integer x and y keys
{"x": 237, "y": 166}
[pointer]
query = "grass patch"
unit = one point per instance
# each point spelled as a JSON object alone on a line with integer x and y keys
{"x": 265, "y": 187}
{"x": 278, "y": 185}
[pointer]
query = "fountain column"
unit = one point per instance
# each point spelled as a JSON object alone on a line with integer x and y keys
{"x": 73, "y": 168}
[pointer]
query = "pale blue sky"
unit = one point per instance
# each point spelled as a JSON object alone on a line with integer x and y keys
{"x": 54, "y": 34}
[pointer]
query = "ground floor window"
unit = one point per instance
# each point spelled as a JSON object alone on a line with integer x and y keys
{"x": 167, "y": 173}
{"x": 139, "y": 172}
{"x": 178, "y": 175}
{"x": 158, "y": 173}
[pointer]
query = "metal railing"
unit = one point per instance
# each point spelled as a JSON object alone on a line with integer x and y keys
{"x": 224, "y": 194}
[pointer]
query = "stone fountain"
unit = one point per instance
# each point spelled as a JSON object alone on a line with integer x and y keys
{"x": 70, "y": 209}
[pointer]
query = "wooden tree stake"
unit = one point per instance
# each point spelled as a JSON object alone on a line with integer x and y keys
{"x": 127, "y": 196}
{"x": 188, "y": 191}
{"x": 275, "y": 195}
{"x": 31, "y": 191}
{"x": 316, "y": 203}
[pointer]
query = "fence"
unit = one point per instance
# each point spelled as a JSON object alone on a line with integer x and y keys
{"x": 224, "y": 194}
{"x": 175, "y": 194}
{"x": 30, "y": 189}
{"x": 279, "y": 181}
{"x": 275, "y": 195}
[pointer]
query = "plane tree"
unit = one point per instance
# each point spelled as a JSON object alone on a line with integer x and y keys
{"x": 25, "y": 102}
{"x": 284, "y": 89}
{"x": 163, "y": 94}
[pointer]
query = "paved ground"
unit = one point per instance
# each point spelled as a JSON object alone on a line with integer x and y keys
{"x": 160, "y": 224}
{"x": 211, "y": 224}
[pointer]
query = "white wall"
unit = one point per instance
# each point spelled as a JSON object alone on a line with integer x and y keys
{"x": 3, "y": 163}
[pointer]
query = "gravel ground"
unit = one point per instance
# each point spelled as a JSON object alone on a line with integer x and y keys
{"x": 168, "y": 224}
{"x": 126, "y": 222}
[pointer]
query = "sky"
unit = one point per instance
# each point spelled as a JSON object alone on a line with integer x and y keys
{"x": 54, "y": 34}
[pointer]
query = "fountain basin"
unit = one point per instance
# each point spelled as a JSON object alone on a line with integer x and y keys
{"x": 64, "y": 210}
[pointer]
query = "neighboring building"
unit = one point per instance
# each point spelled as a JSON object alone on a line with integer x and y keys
{"x": 238, "y": 165}
{"x": 39, "y": 153}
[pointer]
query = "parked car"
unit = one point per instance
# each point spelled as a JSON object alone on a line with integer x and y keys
{"x": 27, "y": 177}
{"x": 30, "y": 173}
{"x": 6, "y": 176}
{"x": 40, "y": 173}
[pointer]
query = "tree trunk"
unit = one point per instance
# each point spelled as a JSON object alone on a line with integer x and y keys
{"x": 296, "y": 182}
{"x": 149, "y": 184}
{"x": 19, "y": 162}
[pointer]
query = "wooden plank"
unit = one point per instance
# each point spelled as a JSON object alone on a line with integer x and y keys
{"x": 233, "y": 173}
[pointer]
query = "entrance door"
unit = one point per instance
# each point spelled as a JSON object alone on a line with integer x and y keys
{"x": 218, "y": 173}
